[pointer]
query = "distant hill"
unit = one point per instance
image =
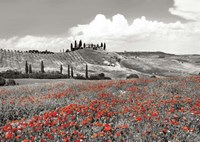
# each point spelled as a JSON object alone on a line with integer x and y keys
{"x": 115, "y": 65}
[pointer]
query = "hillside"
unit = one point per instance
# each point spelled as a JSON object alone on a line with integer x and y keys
{"x": 115, "y": 65}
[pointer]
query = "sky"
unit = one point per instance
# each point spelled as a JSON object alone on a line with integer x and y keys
{"x": 171, "y": 26}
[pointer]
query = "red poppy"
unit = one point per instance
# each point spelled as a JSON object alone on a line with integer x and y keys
{"x": 107, "y": 127}
{"x": 185, "y": 128}
{"x": 9, "y": 135}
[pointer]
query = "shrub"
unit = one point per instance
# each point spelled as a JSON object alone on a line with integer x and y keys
{"x": 161, "y": 56}
{"x": 153, "y": 76}
{"x": 2, "y": 81}
{"x": 101, "y": 75}
{"x": 131, "y": 76}
{"x": 79, "y": 76}
{"x": 10, "y": 82}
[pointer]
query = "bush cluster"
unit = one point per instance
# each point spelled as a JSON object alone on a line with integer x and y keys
{"x": 10, "y": 74}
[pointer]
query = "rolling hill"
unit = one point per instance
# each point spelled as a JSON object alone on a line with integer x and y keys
{"x": 115, "y": 65}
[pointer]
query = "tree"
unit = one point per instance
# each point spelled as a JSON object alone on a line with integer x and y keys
{"x": 101, "y": 44}
{"x": 80, "y": 44}
{"x": 72, "y": 72}
{"x": 42, "y": 66}
{"x": 84, "y": 45}
{"x": 26, "y": 67}
{"x": 68, "y": 71}
{"x": 71, "y": 46}
{"x": 104, "y": 46}
{"x": 61, "y": 69}
{"x": 30, "y": 68}
{"x": 86, "y": 72}
{"x": 75, "y": 45}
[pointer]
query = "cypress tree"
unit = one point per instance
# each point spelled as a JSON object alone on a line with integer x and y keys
{"x": 84, "y": 45}
{"x": 101, "y": 44}
{"x": 104, "y": 46}
{"x": 30, "y": 68}
{"x": 42, "y": 66}
{"x": 61, "y": 69}
{"x": 86, "y": 71}
{"x": 26, "y": 67}
{"x": 72, "y": 49}
{"x": 80, "y": 44}
{"x": 75, "y": 44}
{"x": 68, "y": 71}
{"x": 72, "y": 72}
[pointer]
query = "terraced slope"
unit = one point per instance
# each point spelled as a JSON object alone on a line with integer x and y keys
{"x": 15, "y": 60}
{"x": 115, "y": 65}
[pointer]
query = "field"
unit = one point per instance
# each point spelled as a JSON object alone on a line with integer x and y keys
{"x": 160, "y": 109}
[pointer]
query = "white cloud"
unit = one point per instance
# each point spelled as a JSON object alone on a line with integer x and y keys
{"x": 188, "y": 9}
{"x": 118, "y": 27}
{"x": 140, "y": 35}
{"x": 33, "y": 42}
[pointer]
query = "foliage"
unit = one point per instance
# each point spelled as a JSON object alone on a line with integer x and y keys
{"x": 12, "y": 74}
{"x": 86, "y": 71}
{"x": 42, "y": 66}
{"x": 10, "y": 82}
{"x": 30, "y": 69}
{"x": 131, "y": 76}
{"x": 153, "y": 76}
{"x": 26, "y": 67}
{"x": 61, "y": 69}
{"x": 2, "y": 81}
{"x": 79, "y": 76}
{"x": 100, "y": 76}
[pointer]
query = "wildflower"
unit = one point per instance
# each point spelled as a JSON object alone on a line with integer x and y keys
{"x": 9, "y": 135}
{"x": 164, "y": 131}
{"x": 107, "y": 127}
{"x": 139, "y": 119}
{"x": 185, "y": 128}
{"x": 154, "y": 114}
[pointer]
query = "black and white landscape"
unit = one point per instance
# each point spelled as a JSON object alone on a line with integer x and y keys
{"x": 99, "y": 70}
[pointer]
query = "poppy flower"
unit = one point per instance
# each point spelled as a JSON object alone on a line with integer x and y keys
{"x": 107, "y": 127}
{"x": 185, "y": 128}
{"x": 9, "y": 135}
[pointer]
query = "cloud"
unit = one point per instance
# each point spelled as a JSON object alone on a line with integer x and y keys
{"x": 140, "y": 35}
{"x": 32, "y": 42}
{"x": 118, "y": 27}
{"x": 188, "y": 9}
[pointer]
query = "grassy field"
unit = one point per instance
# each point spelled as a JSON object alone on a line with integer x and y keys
{"x": 165, "y": 109}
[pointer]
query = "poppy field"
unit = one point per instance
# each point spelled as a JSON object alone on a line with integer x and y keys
{"x": 160, "y": 109}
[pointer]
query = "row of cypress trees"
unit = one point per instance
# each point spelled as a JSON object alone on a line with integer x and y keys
{"x": 28, "y": 69}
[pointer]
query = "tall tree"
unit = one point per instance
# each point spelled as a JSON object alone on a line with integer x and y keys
{"x": 71, "y": 46}
{"x": 84, "y": 45}
{"x": 26, "y": 67}
{"x": 61, "y": 69}
{"x": 42, "y": 66}
{"x": 101, "y": 44}
{"x": 80, "y": 44}
{"x": 68, "y": 71}
{"x": 86, "y": 71}
{"x": 30, "y": 68}
{"x": 104, "y": 46}
{"x": 75, "y": 45}
{"x": 72, "y": 72}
